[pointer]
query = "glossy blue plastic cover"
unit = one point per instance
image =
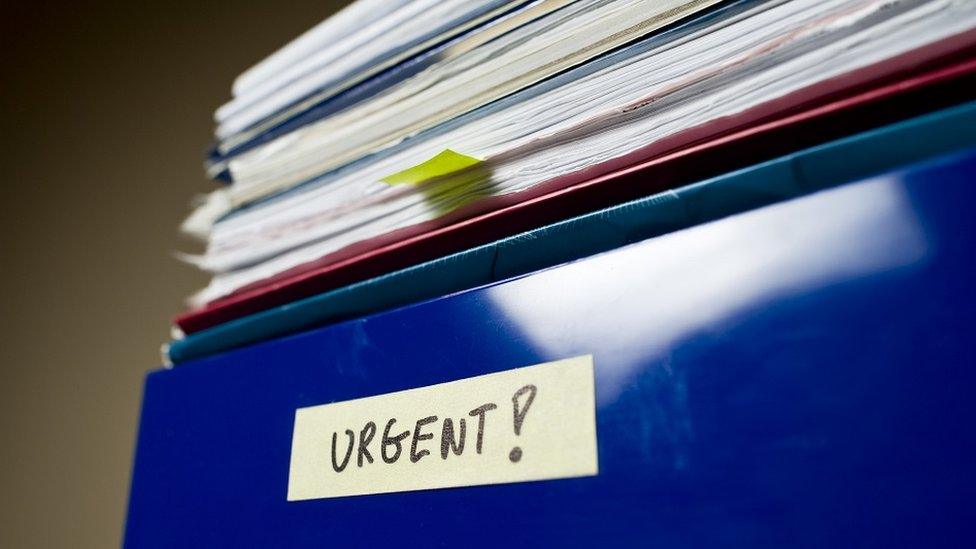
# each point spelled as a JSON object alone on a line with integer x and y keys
{"x": 800, "y": 375}
{"x": 790, "y": 176}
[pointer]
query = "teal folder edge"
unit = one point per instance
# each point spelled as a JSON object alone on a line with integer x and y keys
{"x": 790, "y": 176}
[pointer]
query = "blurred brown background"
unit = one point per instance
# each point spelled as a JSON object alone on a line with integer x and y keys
{"x": 106, "y": 112}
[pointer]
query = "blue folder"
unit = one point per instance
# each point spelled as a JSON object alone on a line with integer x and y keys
{"x": 805, "y": 171}
{"x": 798, "y": 375}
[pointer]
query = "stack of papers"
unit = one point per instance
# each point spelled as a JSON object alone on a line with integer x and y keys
{"x": 397, "y": 115}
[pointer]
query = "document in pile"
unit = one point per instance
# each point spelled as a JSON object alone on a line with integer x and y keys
{"x": 403, "y": 41}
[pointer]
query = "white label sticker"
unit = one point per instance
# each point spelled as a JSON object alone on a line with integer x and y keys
{"x": 532, "y": 423}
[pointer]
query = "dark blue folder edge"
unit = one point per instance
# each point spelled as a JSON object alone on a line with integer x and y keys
{"x": 790, "y": 176}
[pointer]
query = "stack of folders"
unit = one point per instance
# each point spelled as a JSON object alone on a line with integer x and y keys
{"x": 398, "y": 133}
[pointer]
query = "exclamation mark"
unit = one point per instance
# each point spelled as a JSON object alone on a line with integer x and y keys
{"x": 519, "y": 415}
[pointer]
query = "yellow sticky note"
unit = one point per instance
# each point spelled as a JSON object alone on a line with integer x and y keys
{"x": 531, "y": 423}
{"x": 445, "y": 162}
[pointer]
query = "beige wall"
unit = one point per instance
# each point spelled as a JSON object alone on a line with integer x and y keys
{"x": 105, "y": 116}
